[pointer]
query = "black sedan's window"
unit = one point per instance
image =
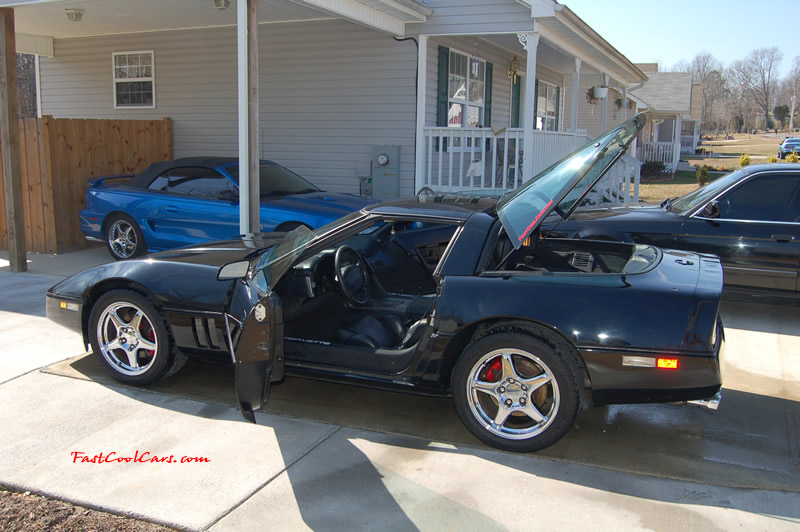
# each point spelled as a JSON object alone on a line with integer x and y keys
{"x": 772, "y": 197}
{"x": 192, "y": 181}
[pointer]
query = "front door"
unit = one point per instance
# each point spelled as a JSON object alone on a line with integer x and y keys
{"x": 757, "y": 234}
{"x": 258, "y": 357}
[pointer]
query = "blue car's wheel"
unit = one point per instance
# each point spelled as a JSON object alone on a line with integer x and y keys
{"x": 124, "y": 239}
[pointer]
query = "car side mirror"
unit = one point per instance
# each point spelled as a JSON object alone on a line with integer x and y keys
{"x": 229, "y": 195}
{"x": 711, "y": 210}
{"x": 233, "y": 270}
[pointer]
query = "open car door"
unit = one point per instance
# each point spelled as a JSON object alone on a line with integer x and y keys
{"x": 258, "y": 357}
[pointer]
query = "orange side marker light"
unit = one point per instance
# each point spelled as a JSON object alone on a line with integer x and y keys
{"x": 667, "y": 363}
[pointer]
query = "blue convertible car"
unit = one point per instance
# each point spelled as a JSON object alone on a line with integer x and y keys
{"x": 192, "y": 200}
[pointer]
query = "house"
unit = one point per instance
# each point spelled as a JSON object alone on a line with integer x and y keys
{"x": 676, "y": 105}
{"x": 379, "y": 97}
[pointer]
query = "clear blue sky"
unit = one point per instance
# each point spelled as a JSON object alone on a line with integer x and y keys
{"x": 647, "y": 31}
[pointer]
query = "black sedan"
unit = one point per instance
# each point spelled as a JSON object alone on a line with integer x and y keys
{"x": 750, "y": 218}
{"x": 435, "y": 295}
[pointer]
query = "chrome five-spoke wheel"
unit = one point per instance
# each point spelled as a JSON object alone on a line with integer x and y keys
{"x": 516, "y": 391}
{"x": 124, "y": 239}
{"x": 127, "y": 339}
{"x": 131, "y": 338}
{"x": 513, "y": 393}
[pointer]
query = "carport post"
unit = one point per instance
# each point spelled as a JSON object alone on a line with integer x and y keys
{"x": 9, "y": 143}
{"x": 249, "y": 175}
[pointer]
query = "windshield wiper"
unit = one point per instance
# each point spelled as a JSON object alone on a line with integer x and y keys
{"x": 666, "y": 204}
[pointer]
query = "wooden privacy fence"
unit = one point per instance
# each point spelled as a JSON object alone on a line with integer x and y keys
{"x": 58, "y": 156}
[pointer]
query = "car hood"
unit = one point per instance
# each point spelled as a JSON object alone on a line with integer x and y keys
{"x": 328, "y": 203}
{"x": 626, "y": 213}
{"x": 562, "y": 187}
{"x": 219, "y": 253}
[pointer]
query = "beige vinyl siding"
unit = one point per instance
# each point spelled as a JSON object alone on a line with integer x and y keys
{"x": 590, "y": 115}
{"x": 697, "y": 102}
{"x": 329, "y": 91}
{"x": 474, "y": 16}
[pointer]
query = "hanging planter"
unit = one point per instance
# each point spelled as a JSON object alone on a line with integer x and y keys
{"x": 600, "y": 92}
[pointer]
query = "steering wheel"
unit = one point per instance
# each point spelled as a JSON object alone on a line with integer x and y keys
{"x": 352, "y": 274}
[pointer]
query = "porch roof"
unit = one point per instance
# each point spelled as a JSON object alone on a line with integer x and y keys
{"x": 38, "y": 22}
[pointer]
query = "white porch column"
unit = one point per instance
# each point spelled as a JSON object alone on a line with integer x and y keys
{"x": 422, "y": 82}
{"x": 604, "y": 109}
{"x": 529, "y": 41}
{"x": 676, "y": 154}
{"x": 247, "y": 68}
{"x": 576, "y": 83}
{"x": 624, "y": 104}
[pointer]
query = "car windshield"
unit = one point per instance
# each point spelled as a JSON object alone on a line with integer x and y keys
{"x": 275, "y": 180}
{"x": 698, "y": 197}
{"x": 561, "y": 187}
{"x": 275, "y": 262}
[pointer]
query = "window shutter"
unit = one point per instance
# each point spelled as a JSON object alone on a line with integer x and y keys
{"x": 515, "y": 97}
{"x": 535, "y": 101}
{"x": 442, "y": 92}
{"x": 444, "y": 77}
{"x": 487, "y": 108}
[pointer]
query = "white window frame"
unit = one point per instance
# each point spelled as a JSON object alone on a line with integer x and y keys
{"x": 542, "y": 115}
{"x": 466, "y": 103}
{"x": 115, "y": 80}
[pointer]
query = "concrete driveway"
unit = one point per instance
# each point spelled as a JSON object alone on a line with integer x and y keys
{"x": 335, "y": 457}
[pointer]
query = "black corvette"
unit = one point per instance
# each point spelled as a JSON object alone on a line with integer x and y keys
{"x": 749, "y": 218}
{"x": 436, "y": 295}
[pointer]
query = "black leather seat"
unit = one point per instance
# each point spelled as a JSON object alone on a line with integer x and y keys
{"x": 368, "y": 331}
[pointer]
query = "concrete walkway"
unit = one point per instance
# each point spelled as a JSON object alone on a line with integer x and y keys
{"x": 289, "y": 473}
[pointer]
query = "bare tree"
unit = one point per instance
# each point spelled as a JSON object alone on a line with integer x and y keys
{"x": 790, "y": 90}
{"x": 761, "y": 68}
{"x": 681, "y": 66}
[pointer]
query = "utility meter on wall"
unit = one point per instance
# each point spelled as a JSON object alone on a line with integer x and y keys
{"x": 386, "y": 172}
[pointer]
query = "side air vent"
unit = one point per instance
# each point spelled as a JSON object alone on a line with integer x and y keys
{"x": 205, "y": 333}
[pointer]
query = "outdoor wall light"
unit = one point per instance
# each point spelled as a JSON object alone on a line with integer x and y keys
{"x": 74, "y": 15}
{"x": 513, "y": 69}
{"x": 222, "y": 4}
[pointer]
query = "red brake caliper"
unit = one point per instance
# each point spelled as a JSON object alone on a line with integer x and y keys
{"x": 151, "y": 335}
{"x": 495, "y": 370}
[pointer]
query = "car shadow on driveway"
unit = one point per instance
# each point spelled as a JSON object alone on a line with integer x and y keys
{"x": 751, "y": 442}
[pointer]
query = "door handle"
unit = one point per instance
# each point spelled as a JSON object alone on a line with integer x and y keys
{"x": 171, "y": 208}
{"x": 783, "y": 238}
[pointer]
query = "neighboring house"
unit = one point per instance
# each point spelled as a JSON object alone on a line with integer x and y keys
{"x": 458, "y": 94}
{"x": 676, "y": 105}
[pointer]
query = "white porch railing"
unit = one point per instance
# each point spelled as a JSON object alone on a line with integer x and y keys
{"x": 616, "y": 185}
{"x": 460, "y": 159}
{"x": 658, "y": 151}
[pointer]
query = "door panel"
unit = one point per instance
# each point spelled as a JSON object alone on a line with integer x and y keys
{"x": 751, "y": 258}
{"x": 757, "y": 233}
{"x": 258, "y": 355}
{"x": 192, "y": 210}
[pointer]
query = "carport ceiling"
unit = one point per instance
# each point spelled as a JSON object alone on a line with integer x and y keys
{"x": 103, "y": 17}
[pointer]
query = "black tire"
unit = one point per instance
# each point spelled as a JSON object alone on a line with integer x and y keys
{"x": 285, "y": 227}
{"x": 543, "y": 382}
{"x": 124, "y": 238}
{"x": 112, "y": 335}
